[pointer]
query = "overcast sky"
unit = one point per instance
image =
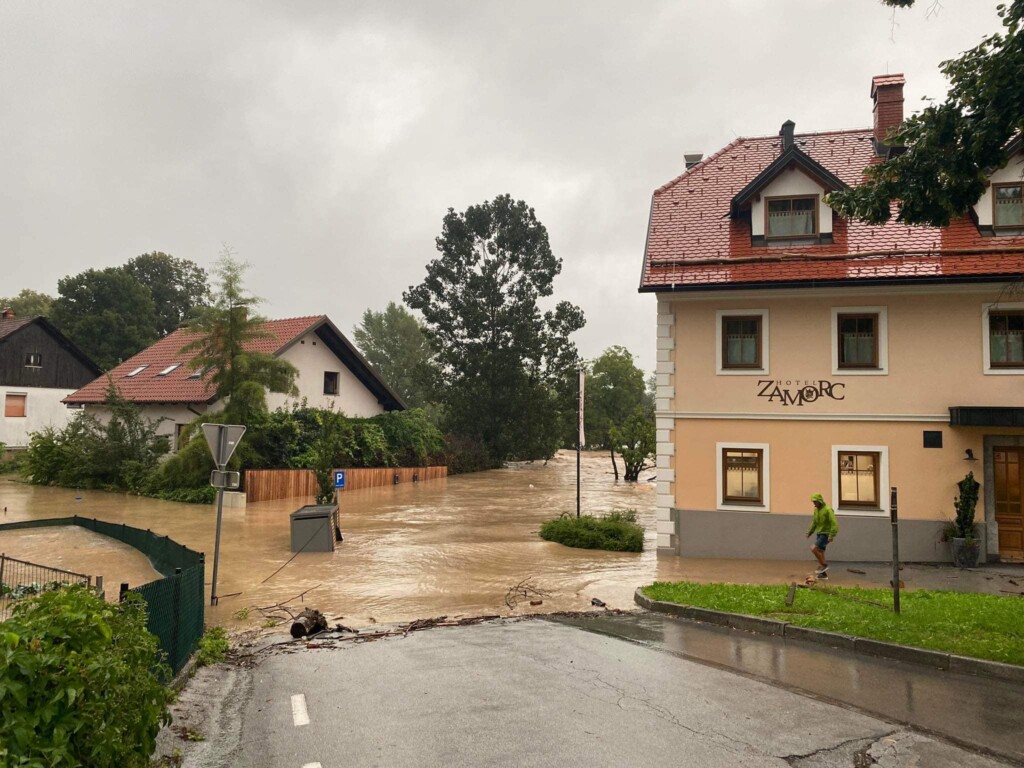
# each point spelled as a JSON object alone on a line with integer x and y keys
{"x": 324, "y": 141}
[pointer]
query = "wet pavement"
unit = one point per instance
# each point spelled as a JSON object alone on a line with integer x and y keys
{"x": 528, "y": 693}
{"x": 981, "y": 712}
{"x": 446, "y": 547}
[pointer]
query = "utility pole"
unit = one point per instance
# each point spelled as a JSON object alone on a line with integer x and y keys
{"x": 580, "y": 439}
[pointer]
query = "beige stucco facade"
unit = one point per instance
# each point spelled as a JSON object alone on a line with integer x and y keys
{"x": 801, "y": 410}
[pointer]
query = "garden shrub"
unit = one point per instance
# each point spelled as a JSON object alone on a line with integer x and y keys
{"x": 615, "y": 532}
{"x": 467, "y": 454}
{"x": 79, "y": 683}
{"x": 213, "y": 647}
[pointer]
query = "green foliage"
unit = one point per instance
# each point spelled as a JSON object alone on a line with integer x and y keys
{"x": 411, "y": 437}
{"x": 394, "y": 343}
{"x": 636, "y": 441}
{"x": 117, "y": 455}
{"x": 951, "y": 146}
{"x": 615, "y": 532}
{"x": 504, "y": 362}
{"x": 213, "y": 647}
{"x": 983, "y": 626}
{"x": 79, "y": 683}
{"x": 225, "y": 327}
{"x": 204, "y": 494}
{"x": 467, "y": 454}
{"x": 178, "y": 287}
{"x": 965, "y": 502}
{"x": 28, "y": 303}
{"x": 614, "y": 390}
{"x": 106, "y": 312}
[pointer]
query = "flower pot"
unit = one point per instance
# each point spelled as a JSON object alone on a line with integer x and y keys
{"x": 965, "y": 552}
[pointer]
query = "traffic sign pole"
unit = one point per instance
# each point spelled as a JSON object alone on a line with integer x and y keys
{"x": 894, "y": 519}
{"x": 222, "y": 439}
{"x": 221, "y": 447}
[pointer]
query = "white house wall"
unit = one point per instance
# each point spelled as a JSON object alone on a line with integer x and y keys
{"x": 1011, "y": 173}
{"x": 168, "y": 414}
{"x": 790, "y": 182}
{"x": 43, "y": 408}
{"x": 313, "y": 357}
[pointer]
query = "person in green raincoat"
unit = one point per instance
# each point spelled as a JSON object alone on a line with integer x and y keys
{"x": 825, "y": 529}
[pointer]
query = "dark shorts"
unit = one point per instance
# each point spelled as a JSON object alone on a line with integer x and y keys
{"x": 822, "y": 541}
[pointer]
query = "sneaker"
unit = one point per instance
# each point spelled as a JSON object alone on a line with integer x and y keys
{"x": 822, "y": 575}
{"x": 823, "y": 569}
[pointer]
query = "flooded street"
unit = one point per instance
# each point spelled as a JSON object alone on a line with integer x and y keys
{"x": 451, "y": 547}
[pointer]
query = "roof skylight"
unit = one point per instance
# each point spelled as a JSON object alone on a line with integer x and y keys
{"x": 169, "y": 368}
{"x": 137, "y": 371}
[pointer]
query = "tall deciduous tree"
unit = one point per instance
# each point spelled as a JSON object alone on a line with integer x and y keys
{"x": 225, "y": 327}
{"x": 394, "y": 343}
{"x": 614, "y": 391}
{"x": 106, "y": 312}
{"x": 178, "y": 286}
{"x": 951, "y": 146}
{"x": 28, "y": 303}
{"x": 635, "y": 440}
{"x": 504, "y": 361}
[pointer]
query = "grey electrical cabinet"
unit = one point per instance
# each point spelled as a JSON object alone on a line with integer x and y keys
{"x": 315, "y": 528}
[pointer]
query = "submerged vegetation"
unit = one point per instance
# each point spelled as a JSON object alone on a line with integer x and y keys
{"x": 615, "y": 532}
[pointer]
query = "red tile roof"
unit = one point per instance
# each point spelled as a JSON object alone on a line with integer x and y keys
{"x": 693, "y": 243}
{"x": 176, "y": 387}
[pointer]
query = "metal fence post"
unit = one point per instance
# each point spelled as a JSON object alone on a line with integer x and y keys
{"x": 175, "y": 617}
{"x": 99, "y": 587}
{"x": 123, "y": 592}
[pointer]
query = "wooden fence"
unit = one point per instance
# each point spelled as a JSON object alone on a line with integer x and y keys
{"x": 271, "y": 484}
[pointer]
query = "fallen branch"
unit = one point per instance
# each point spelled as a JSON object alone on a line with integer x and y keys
{"x": 524, "y": 590}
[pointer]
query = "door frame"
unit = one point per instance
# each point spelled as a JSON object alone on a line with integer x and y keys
{"x": 1020, "y": 462}
{"x": 991, "y": 534}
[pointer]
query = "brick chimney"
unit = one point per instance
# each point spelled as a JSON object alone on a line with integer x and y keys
{"x": 887, "y": 95}
{"x": 6, "y": 313}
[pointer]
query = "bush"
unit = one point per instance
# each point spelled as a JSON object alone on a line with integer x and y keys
{"x": 467, "y": 454}
{"x": 213, "y": 647}
{"x": 616, "y": 532}
{"x": 79, "y": 683}
{"x": 206, "y": 494}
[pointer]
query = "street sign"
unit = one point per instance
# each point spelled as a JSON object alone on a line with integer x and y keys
{"x": 222, "y": 439}
{"x": 222, "y": 479}
{"x": 339, "y": 478}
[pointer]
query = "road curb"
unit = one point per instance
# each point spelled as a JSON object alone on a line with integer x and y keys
{"x": 936, "y": 659}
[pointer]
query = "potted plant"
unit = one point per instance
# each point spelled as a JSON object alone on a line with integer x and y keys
{"x": 963, "y": 544}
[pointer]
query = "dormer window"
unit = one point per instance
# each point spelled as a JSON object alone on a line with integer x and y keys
{"x": 1008, "y": 205}
{"x": 791, "y": 217}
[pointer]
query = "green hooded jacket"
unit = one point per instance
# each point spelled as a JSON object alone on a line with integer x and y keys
{"x": 824, "y": 518}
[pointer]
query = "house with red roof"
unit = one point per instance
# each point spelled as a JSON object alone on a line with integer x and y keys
{"x": 800, "y": 352}
{"x": 39, "y": 367}
{"x": 161, "y": 380}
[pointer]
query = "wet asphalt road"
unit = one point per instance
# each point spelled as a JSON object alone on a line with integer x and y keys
{"x": 530, "y": 693}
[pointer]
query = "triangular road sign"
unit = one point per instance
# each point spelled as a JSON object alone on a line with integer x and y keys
{"x": 223, "y": 439}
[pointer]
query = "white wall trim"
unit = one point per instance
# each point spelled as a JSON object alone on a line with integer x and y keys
{"x": 853, "y": 290}
{"x": 765, "y": 342}
{"x": 765, "y": 505}
{"x": 883, "y": 481}
{"x": 744, "y": 416}
{"x": 986, "y": 344}
{"x": 883, "y": 341}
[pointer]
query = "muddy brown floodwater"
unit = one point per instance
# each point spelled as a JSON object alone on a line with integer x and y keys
{"x": 451, "y": 547}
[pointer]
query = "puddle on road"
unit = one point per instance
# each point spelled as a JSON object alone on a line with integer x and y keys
{"x": 449, "y": 547}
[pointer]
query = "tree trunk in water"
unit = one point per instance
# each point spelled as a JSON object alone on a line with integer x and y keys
{"x": 614, "y": 465}
{"x": 632, "y": 471}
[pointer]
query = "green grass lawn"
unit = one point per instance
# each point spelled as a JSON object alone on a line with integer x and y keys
{"x": 982, "y": 626}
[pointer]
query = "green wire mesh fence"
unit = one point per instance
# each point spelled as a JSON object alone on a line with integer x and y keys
{"x": 20, "y": 579}
{"x": 176, "y": 602}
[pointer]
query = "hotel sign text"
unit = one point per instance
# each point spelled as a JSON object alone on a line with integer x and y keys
{"x": 799, "y": 392}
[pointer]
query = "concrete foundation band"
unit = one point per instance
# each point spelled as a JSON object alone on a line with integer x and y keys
{"x": 773, "y": 536}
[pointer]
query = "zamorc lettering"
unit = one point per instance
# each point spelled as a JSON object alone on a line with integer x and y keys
{"x": 775, "y": 390}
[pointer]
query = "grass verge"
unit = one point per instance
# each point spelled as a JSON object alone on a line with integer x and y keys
{"x": 615, "y": 532}
{"x": 982, "y": 626}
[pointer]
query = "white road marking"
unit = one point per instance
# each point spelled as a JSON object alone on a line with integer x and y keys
{"x": 300, "y": 715}
{"x": 312, "y": 765}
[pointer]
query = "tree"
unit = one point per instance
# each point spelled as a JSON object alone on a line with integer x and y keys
{"x": 636, "y": 442}
{"x": 28, "y": 303}
{"x": 178, "y": 287}
{"x": 394, "y": 343}
{"x": 106, "y": 312}
{"x": 504, "y": 362}
{"x": 614, "y": 390}
{"x": 952, "y": 146}
{"x": 225, "y": 328}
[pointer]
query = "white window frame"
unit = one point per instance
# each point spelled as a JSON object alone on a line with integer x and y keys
{"x": 765, "y": 505}
{"x": 723, "y": 313}
{"x": 986, "y": 342}
{"x": 883, "y": 481}
{"x": 883, "y": 341}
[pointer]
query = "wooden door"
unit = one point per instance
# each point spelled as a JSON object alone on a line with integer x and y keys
{"x": 1007, "y": 463}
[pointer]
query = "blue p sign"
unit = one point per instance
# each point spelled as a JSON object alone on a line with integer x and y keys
{"x": 339, "y": 478}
